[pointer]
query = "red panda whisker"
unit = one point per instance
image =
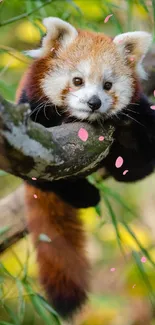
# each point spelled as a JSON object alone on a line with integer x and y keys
{"x": 99, "y": 121}
{"x": 116, "y": 114}
{"x": 132, "y": 118}
{"x": 64, "y": 111}
{"x": 45, "y": 111}
{"x": 134, "y": 104}
{"x": 37, "y": 114}
{"x": 33, "y": 111}
{"x": 126, "y": 108}
{"x": 130, "y": 110}
{"x": 57, "y": 110}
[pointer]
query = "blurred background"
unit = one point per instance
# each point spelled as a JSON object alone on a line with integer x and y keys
{"x": 121, "y": 230}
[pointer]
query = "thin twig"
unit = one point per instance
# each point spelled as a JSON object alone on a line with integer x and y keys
{"x": 14, "y": 53}
{"x": 25, "y": 15}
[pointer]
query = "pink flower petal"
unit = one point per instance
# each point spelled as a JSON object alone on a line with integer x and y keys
{"x": 107, "y": 18}
{"x": 143, "y": 259}
{"x": 119, "y": 162}
{"x": 35, "y": 196}
{"x": 101, "y": 138}
{"x": 34, "y": 178}
{"x": 152, "y": 107}
{"x": 112, "y": 269}
{"x": 125, "y": 172}
{"x": 83, "y": 134}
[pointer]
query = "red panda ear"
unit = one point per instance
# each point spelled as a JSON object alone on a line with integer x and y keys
{"x": 58, "y": 30}
{"x": 133, "y": 46}
{"x": 58, "y": 33}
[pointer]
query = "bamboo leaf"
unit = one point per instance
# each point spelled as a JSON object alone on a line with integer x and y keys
{"x": 40, "y": 308}
{"x": 114, "y": 221}
{"x": 4, "y": 230}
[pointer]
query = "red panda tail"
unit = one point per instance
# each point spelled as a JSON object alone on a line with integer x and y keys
{"x": 63, "y": 267}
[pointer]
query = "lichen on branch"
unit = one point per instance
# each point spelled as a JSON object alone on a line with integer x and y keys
{"x": 28, "y": 149}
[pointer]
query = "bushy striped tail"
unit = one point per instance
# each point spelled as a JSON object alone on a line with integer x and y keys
{"x": 63, "y": 267}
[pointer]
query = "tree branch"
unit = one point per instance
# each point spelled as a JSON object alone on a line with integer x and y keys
{"x": 25, "y": 15}
{"x": 30, "y": 150}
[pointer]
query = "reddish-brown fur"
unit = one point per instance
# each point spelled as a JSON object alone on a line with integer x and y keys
{"x": 63, "y": 266}
{"x": 33, "y": 77}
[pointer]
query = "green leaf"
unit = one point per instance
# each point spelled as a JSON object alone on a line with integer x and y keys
{"x": 48, "y": 307}
{"x": 143, "y": 4}
{"x": 114, "y": 17}
{"x": 98, "y": 209}
{"x": 12, "y": 315}
{"x": 40, "y": 309}
{"x": 144, "y": 275}
{"x": 75, "y": 6}
{"x": 6, "y": 272}
{"x": 2, "y": 173}
{"x": 114, "y": 221}
{"x": 21, "y": 301}
{"x": 138, "y": 243}
{"x": 5, "y": 323}
{"x": 4, "y": 230}
{"x": 117, "y": 197}
{"x": 6, "y": 90}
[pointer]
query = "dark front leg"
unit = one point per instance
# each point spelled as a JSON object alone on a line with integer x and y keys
{"x": 134, "y": 142}
{"x": 79, "y": 193}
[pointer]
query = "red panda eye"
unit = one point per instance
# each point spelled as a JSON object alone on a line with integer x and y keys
{"x": 107, "y": 85}
{"x": 77, "y": 81}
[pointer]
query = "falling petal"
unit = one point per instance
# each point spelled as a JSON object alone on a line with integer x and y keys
{"x": 119, "y": 162}
{"x": 143, "y": 259}
{"x": 101, "y": 138}
{"x": 107, "y": 18}
{"x": 83, "y": 134}
{"x": 125, "y": 172}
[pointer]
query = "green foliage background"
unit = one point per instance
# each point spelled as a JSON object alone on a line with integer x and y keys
{"x": 122, "y": 233}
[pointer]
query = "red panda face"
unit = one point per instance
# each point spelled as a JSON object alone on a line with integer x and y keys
{"x": 95, "y": 85}
{"x": 89, "y": 74}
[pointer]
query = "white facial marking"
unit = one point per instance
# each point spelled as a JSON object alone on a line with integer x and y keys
{"x": 108, "y": 63}
{"x": 54, "y": 83}
{"x": 77, "y": 101}
{"x": 93, "y": 85}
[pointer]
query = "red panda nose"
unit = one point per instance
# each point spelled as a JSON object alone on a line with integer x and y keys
{"x": 94, "y": 103}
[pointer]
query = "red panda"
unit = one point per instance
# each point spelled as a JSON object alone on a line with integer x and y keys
{"x": 85, "y": 76}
